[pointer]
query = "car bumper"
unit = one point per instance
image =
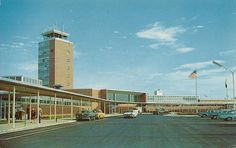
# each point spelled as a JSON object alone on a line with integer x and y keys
{"x": 129, "y": 116}
{"x": 83, "y": 118}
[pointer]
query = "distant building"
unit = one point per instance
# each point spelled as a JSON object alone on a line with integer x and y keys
{"x": 158, "y": 92}
{"x": 172, "y": 99}
{"x": 56, "y": 59}
{"x": 25, "y": 79}
{"x": 114, "y": 95}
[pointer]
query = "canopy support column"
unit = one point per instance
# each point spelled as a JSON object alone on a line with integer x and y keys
{"x": 55, "y": 107}
{"x": 5, "y": 109}
{"x": 50, "y": 109}
{"x": 62, "y": 108}
{"x": 13, "y": 108}
{"x": 71, "y": 108}
{"x": 38, "y": 116}
{"x": 30, "y": 106}
{"x": 9, "y": 107}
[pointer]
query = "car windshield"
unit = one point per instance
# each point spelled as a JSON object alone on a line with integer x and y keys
{"x": 85, "y": 111}
{"x": 232, "y": 112}
{"x": 98, "y": 111}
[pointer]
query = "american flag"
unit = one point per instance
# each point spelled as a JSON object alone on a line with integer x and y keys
{"x": 193, "y": 74}
{"x": 226, "y": 83}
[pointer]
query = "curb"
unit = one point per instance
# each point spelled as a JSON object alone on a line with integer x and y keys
{"x": 11, "y": 130}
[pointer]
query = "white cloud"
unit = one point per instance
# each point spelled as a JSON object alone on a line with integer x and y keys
{"x": 185, "y": 49}
{"x": 115, "y": 31}
{"x": 13, "y": 45}
{"x": 29, "y": 67}
{"x": 107, "y": 48}
{"x": 197, "y": 65}
{"x": 209, "y": 72}
{"x": 158, "y": 45}
{"x": 228, "y": 53}
{"x": 197, "y": 27}
{"x": 161, "y": 33}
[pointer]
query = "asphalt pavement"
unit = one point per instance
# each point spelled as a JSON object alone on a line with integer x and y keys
{"x": 145, "y": 131}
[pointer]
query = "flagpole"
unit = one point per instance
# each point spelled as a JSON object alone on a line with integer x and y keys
{"x": 196, "y": 91}
{"x": 196, "y": 85}
{"x": 193, "y": 75}
{"x": 226, "y": 89}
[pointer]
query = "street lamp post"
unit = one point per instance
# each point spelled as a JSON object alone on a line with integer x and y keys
{"x": 232, "y": 72}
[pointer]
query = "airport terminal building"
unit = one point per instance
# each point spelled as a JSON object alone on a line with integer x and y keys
{"x": 20, "y": 96}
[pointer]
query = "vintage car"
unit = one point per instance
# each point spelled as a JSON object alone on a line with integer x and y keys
{"x": 228, "y": 116}
{"x": 160, "y": 111}
{"x": 217, "y": 113}
{"x": 99, "y": 114}
{"x": 85, "y": 115}
{"x": 131, "y": 114}
{"x": 206, "y": 113}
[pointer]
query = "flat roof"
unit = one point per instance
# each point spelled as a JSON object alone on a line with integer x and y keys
{"x": 127, "y": 91}
{"x": 24, "y": 89}
{"x": 55, "y": 31}
{"x": 28, "y": 89}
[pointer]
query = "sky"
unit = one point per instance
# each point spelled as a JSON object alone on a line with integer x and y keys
{"x": 128, "y": 44}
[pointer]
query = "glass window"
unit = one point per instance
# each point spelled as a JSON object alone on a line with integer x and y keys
{"x": 110, "y": 96}
{"x": 122, "y": 97}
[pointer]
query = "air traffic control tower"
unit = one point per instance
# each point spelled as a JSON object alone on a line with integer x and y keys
{"x": 56, "y": 59}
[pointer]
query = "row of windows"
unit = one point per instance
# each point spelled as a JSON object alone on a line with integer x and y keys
{"x": 59, "y": 101}
{"x": 123, "y": 97}
{"x": 26, "y": 80}
{"x": 32, "y": 81}
{"x": 172, "y": 99}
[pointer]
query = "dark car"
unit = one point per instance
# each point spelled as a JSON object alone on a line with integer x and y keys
{"x": 85, "y": 115}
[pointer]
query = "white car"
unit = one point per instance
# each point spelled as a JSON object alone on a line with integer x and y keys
{"x": 131, "y": 114}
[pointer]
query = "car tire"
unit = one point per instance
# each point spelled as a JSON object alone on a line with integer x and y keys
{"x": 204, "y": 115}
{"x": 213, "y": 117}
{"x": 229, "y": 119}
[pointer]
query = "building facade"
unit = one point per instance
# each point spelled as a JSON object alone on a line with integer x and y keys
{"x": 173, "y": 99}
{"x": 56, "y": 59}
{"x": 113, "y": 95}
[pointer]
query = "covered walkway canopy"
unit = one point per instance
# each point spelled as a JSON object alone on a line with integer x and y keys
{"x": 12, "y": 89}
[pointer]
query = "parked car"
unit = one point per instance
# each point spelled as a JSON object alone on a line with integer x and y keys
{"x": 217, "y": 113}
{"x": 228, "y": 116}
{"x": 206, "y": 113}
{"x": 140, "y": 110}
{"x": 131, "y": 114}
{"x": 160, "y": 111}
{"x": 85, "y": 115}
{"x": 99, "y": 114}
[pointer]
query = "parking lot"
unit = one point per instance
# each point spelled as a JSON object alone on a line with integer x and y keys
{"x": 117, "y": 132}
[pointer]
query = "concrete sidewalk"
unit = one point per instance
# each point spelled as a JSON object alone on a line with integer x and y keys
{"x": 22, "y": 125}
